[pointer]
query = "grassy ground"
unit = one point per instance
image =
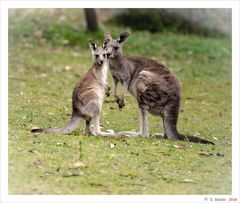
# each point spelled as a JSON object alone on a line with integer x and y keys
{"x": 42, "y": 74}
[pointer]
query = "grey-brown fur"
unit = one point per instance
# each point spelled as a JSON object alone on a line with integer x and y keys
{"x": 87, "y": 96}
{"x": 156, "y": 89}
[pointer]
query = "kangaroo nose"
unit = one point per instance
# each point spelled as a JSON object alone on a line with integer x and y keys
{"x": 101, "y": 62}
{"x": 108, "y": 55}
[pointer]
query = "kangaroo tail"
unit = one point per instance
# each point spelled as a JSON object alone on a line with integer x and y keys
{"x": 68, "y": 128}
{"x": 194, "y": 139}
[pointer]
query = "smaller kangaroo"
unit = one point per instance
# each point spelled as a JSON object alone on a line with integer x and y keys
{"x": 87, "y": 96}
{"x": 156, "y": 89}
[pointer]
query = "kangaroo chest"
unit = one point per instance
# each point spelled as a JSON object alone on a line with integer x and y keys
{"x": 103, "y": 75}
{"x": 120, "y": 71}
{"x": 117, "y": 72}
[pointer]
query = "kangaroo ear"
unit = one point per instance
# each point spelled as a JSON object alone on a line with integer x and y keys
{"x": 107, "y": 36}
{"x": 122, "y": 37}
{"x": 105, "y": 44}
{"x": 92, "y": 45}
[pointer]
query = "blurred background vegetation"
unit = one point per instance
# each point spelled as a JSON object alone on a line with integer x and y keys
{"x": 75, "y": 26}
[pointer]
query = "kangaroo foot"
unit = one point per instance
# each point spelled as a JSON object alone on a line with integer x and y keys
{"x": 90, "y": 131}
{"x": 159, "y": 135}
{"x": 128, "y": 134}
{"x": 111, "y": 133}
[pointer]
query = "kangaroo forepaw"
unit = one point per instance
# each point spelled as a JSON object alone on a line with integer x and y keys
{"x": 120, "y": 102}
{"x": 108, "y": 91}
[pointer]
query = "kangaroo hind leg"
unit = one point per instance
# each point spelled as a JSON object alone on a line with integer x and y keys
{"x": 170, "y": 120}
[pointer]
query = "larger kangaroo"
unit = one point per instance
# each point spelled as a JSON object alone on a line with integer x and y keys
{"x": 154, "y": 86}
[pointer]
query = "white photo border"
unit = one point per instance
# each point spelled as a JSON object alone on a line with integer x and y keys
{"x": 5, "y": 5}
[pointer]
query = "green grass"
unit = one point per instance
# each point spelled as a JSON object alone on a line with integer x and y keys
{"x": 40, "y": 91}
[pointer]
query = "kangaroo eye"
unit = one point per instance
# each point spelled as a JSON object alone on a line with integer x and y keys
{"x": 96, "y": 55}
{"x": 104, "y": 55}
{"x": 116, "y": 48}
